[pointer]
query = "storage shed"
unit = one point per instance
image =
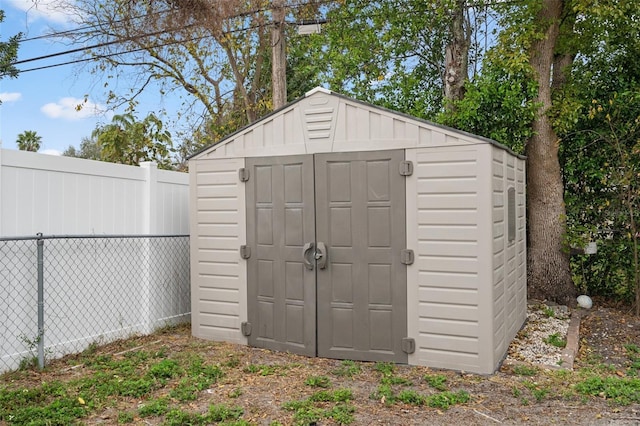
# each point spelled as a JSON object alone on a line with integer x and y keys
{"x": 340, "y": 229}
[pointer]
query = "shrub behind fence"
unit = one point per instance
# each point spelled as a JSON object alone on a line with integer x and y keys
{"x": 92, "y": 289}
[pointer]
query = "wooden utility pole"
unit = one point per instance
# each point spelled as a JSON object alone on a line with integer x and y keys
{"x": 278, "y": 55}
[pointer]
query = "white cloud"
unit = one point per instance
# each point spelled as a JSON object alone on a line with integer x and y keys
{"x": 10, "y": 96}
{"x": 72, "y": 109}
{"x": 56, "y": 11}
{"x": 51, "y": 152}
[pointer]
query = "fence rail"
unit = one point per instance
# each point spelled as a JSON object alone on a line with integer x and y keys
{"x": 59, "y": 294}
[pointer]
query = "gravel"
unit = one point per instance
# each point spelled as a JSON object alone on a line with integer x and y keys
{"x": 531, "y": 344}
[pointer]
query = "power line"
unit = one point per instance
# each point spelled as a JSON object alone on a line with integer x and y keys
{"x": 109, "y": 43}
{"x": 161, "y": 12}
{"x": 97, "y": 57}
{"x": 109, "y": 55}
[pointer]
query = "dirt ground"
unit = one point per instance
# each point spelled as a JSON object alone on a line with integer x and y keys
{"x": 506, "y": 397}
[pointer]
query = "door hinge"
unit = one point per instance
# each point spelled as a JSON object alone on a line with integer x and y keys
{"x": 408, "y": 345}
{"x": 245, "y": 252}
{"x": 243, "y": 174}
{"x": 406, "y": 168}
{"x": 246, "y": 328}
{"x": 407, "y": 257}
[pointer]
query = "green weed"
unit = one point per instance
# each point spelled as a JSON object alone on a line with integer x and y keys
{"x": 318, "y": 381}
{"x": 437, "y": 381}
{"x": 383, "y": 392}
{"x": 623, "y": 391}
{"x": 62, "y": 411}
{"x": 177, "y": 417}
{"x": 307, "y": 411}
{"x": 342, "y": 414}
{"x": 186, "y": 390}
{"x": 165, "y": 369}
{"x": 154, "y": 407}
{"x": 395, "y": 380}
{"x": 338, "y": 395}
{"x": 125, "y": 417}
{"x": 263, "y": 370}
{"x": 235, "y": 393}
{"x": 386, "y": 368}
{"x": 539, "y": 393}
{"x": 221, "y": 413}
{"x": 524, "y": 370}
{"x": 411, "y": 397}
{"x": 444, "y": 400}
{"x": 347, "y": 368}
{"x": 555, "y": 340}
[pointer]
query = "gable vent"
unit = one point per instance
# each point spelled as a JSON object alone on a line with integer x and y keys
{"x": 318, "y": 122}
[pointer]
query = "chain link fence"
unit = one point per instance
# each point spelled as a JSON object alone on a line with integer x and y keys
{"x": 59, "y": 294}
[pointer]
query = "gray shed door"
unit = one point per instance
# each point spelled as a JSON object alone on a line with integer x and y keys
{"x": 326, "y": 234}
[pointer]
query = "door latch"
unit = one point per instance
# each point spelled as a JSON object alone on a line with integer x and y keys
{"x": 407, "y": 257}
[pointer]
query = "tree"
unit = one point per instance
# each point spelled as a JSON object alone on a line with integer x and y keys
{"x": 600, "y": 121}
{"x": 128, "y": 141}
{"x": 8, "y": 54}
{"x": 549, "y": 273}
{"x": 408, "y": 56}
{"x": 215, "y": 55}
{"x": 90, "y": 149}
{"x": 29, "y": 140}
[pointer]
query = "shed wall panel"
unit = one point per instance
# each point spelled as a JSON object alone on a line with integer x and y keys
{"x": 509, "y": 275}
{"x": 443, "y": 283}
{"x": 218, "y": 229}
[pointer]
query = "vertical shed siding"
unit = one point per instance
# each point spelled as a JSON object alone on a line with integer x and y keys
{"x": 444, "y": 199}
{"x": 521, "y": 246}
{"x": 280, "y": 134}
{"x": 218, "y": 229}
{"x": 509, "y": 268}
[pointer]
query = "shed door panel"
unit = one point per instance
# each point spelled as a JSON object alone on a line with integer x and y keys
{"x": 360, "y": 216}
{"x": 280, "y": 220}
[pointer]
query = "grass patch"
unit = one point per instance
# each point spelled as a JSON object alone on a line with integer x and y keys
{"x": 385, "y": 368}
{"x": 555, "y": 340}
{"x": 165, "y": 369}
{"x": 263, "y": 370}
{"x": 436, "y": 381}
{"x": 154, "y": 407}
{"x": 623, "y": 391}
{"x": 314, "y": 408}
{"x": 318, "y": 382}
{"x": 217, "y": 413}
{"x": 525, "y": 370}
{"x": 347, "y": 368}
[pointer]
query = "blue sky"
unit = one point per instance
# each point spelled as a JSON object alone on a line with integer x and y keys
{"x": 46, "y": 101}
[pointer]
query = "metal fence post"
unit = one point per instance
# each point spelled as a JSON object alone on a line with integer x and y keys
{"x": 40, "y": 301}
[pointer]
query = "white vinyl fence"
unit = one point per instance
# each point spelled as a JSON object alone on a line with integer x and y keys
{"x": 70, "y": 196}
{"x": 115, "y": 252}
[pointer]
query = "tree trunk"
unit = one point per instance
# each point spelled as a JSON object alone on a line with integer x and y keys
{"x": 549, "y": 274}
{"x": 278, "y": 56}
{"x": 456, "y": 57}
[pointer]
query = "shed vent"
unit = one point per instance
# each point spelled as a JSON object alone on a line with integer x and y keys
{"x": 318, "y": 122}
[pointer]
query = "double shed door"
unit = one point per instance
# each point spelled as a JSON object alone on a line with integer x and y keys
{"x": 325, "y": 234}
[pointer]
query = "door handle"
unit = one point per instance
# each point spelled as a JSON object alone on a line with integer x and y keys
{"x": 321, "y": 255}
{"x": 306, "y": 250}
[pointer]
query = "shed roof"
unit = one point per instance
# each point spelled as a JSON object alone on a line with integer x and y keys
{"x": 326, "y": 121}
